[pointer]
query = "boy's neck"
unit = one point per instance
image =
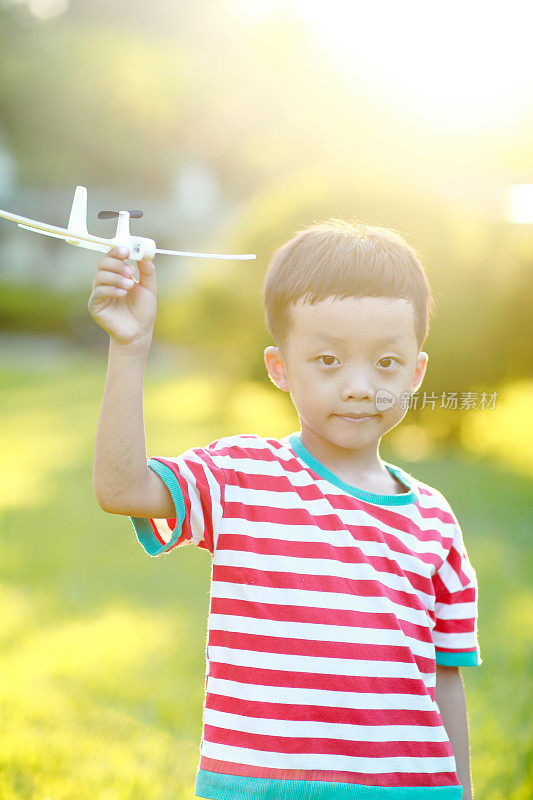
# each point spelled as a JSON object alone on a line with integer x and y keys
{"x": 362, "y": 467}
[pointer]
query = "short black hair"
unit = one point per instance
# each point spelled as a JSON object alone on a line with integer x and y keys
{"x": 342, "y": 259}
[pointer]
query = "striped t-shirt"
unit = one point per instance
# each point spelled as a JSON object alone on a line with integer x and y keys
{"x": 330, "y": 607}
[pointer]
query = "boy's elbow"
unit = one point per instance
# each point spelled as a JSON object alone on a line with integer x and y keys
{"x": 149, "y": 498}
{"x": 114, "y": 509}
{"x": 99, "y": 492}
{"x": 105, "y": 505}
{"x": 109, "y": 504}
{"x": 109, "y": 498}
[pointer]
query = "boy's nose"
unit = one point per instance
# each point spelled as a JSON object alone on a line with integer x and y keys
{"x": 358, "y": 386}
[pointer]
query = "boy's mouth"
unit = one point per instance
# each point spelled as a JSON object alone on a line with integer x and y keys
{"x": 356, "y": 417}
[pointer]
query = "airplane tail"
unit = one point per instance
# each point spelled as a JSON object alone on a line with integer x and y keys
{"x": 123, "y": 226}
{"x": 78, "y": 214}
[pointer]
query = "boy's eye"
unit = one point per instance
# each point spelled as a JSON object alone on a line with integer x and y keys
{"x": 387, "y": 362}
{"x": 327, "y": 363}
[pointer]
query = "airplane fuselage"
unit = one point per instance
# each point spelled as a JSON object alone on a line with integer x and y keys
{"x": 140, "y": 247}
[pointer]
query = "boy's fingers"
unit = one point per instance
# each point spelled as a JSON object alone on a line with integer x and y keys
{"x": 103, "y": 293}
{"x": 114, "y": 265}
{"x": 119, "y": 252}
{"x": 108, "y": 278}
{"x": 113, "y": 261}
{"x": 147, "y": 275}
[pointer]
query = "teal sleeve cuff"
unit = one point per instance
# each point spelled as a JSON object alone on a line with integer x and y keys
{"x": 224, "y": 786}
{"x": 145, "y": 533}
{"x": 470, "y": 658}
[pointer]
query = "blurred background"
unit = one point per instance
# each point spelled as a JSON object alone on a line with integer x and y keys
{"x": 233, "y": 124}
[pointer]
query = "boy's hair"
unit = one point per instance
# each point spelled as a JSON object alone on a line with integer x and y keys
{"x": 339, "y": 258}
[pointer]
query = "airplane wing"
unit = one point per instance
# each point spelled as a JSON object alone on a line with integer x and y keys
{"x": 86, "y": 245}
{"x": 247, "y": 256}
{"x": 99, "y": 243}
{"x": 53, "y": 230}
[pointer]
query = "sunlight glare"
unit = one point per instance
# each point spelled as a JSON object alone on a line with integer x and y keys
{"x": 521, "y": 203}
{"x": 453, "y": 62}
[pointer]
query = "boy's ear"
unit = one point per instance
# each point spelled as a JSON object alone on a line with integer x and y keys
{"x": 420, "y": 371}
{"x": 276, "y": 368}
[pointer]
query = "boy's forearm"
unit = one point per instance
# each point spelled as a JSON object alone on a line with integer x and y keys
{"x": 120, "y": 462}
{"x": 451, "y": 699}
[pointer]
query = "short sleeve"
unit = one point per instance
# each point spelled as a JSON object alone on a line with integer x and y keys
{"x": 456, "y": 614}
{"x": 195, "y": 480}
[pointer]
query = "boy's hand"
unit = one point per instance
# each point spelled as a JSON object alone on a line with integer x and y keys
{"x": 126, "y": 311}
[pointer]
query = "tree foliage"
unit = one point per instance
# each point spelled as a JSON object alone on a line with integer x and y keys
{"x": 120, "y": 95}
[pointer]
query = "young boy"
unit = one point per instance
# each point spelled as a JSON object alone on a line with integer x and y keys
{"x": 343, "y": 601}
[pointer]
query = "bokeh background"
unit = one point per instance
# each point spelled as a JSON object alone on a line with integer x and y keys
{"x": 233, "y": 124}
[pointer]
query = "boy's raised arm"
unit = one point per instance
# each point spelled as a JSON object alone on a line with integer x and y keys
{"x": 123, "y": 483}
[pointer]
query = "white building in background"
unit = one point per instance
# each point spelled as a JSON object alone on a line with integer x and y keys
{"x": 8, "y": 170}
{"x": 195, "y": 192}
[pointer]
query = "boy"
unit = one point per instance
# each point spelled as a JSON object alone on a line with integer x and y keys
{"x": 343, "y": 601}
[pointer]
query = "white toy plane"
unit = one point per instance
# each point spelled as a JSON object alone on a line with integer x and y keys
{"x": 76, "y": 233}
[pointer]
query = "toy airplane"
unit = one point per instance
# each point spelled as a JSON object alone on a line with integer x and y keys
{"x": 76, "y": 233}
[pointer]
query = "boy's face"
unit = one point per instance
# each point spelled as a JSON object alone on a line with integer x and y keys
{"x": 371, "y": 359}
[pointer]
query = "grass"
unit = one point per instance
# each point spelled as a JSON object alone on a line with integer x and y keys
{"x": 102, "y": 649}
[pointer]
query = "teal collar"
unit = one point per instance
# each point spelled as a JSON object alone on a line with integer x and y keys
{"x": 369, "y": 497}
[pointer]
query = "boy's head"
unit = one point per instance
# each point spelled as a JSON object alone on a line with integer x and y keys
{"x": 341, "y": 259}
{"x": 365, "y": 288}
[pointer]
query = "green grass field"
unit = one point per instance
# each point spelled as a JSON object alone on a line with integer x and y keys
{"x": 102, "y": 653}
